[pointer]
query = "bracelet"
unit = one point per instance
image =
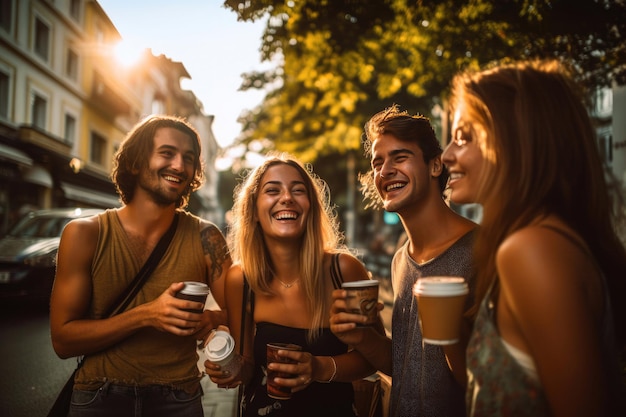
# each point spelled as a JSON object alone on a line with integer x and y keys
{"x": 332, "y": 377}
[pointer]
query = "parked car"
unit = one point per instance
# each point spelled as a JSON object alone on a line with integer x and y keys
{"x": 28, "y": 252}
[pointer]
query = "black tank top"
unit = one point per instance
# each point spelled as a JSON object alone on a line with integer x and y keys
{"x": 318, "y": 399}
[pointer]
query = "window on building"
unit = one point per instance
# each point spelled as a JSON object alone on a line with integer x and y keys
{"x": 42, "y": 39}
{"x": 4, "y": 95}
{"x": 6, "y": 14}
{"x": 71, "y": 64}
{"x": 39, "y": 108}
{"x": 75, "y": 9}
{"x": 97, "y": 148}
{"x": 69, "y": 134}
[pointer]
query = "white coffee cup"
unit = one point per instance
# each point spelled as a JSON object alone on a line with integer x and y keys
{"x": 220, "y": 349}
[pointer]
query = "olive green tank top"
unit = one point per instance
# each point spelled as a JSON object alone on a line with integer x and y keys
{"x": 149, "y": 356}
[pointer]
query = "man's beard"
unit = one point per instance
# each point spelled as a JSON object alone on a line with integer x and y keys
{"x": 160, "y": 198}
{"x": 157, "y": 193}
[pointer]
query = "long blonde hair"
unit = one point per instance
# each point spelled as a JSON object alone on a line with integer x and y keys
{"x": 249, "y": 250}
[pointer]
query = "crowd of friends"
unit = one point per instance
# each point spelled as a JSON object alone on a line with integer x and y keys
{"x": 545, "y": 322}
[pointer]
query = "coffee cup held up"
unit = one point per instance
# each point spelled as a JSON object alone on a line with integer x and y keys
{"x": 362, "y": 299}
{"x": 194, "y": 291}
{"x": 440, "y": 305}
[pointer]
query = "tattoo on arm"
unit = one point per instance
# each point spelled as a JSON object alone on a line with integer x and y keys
{"x": 214, "y": 245}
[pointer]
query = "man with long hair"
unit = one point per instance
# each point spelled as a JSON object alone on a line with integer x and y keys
{"x": 143, "y": 358}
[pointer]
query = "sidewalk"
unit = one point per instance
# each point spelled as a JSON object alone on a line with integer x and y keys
{"x": 218, "y": 402}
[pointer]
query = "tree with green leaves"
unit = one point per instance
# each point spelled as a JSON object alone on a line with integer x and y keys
{"x": 340, "y": 61}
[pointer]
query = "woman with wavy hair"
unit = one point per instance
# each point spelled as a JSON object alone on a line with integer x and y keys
{"x": 284, "y": 238}
{"x": 550, "y": 313}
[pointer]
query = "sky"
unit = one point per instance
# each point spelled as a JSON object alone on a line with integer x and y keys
{"x": 209, "y": 41}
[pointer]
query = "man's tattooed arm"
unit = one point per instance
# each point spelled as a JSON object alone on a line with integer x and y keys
{"x": 214, "y": 245}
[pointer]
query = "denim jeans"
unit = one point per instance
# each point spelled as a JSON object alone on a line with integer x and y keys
{"x": 112, "y": 400}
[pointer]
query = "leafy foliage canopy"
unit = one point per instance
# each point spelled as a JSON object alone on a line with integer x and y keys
{"x": 340, "y": 61}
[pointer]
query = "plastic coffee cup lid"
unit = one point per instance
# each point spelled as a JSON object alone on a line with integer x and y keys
{"x": 441, "y": 286}
{"x": 360, "y": 284}
{"x": 194, "y": 287}
{"x": 217, "y": 344}
{"x": 220, "y": 346}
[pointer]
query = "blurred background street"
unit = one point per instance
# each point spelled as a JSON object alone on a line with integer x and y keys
{"x": 32, "y": 374}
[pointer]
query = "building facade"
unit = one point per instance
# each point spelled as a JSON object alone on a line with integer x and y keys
{"x": 66, "y": 104}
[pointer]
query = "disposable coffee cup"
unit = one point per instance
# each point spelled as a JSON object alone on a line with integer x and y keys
{"x": 194, "y": 291}
{"x": 440, "y": 305}
{"x": 362, "y": 298}
{"x": 220, "y": 349}
{"x": 276, "y": 391}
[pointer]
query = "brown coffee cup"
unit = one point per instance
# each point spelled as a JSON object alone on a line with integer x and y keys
{"x": 276, "y": 391}
{"x": 194, "y": 291}
{"x": 440, "y": 305}
{"x": 362, "y": 299}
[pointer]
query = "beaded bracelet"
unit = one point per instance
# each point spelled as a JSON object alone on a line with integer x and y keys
{"x": 332, "y": 377}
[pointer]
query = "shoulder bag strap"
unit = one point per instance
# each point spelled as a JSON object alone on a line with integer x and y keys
{"x": 246, "y": 298}
{"x": 244, "y": 304}
{"x": 155, "y": 257}
{"x": 335, "y": 272}
{"x": 131, "y": 291}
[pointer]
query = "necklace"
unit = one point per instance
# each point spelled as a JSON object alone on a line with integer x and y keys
{"x": 288, "y": 285}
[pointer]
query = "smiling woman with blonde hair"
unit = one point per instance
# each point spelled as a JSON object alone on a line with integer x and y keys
{"x": 287, "y": 249}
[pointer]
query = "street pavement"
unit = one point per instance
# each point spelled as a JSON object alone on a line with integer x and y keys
{"x": 218, "y": 402}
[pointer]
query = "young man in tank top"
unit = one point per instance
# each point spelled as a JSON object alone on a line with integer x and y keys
{"x": 143, "y": 358}
{"x": 408, "y": 178}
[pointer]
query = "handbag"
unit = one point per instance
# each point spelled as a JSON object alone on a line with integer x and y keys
{"x": 61, "y": 406}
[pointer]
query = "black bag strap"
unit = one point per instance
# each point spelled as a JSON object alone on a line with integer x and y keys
{"x": 335, "y": 272}
{"x": 155, "y": 257}
{"x": 247, "y": 297}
